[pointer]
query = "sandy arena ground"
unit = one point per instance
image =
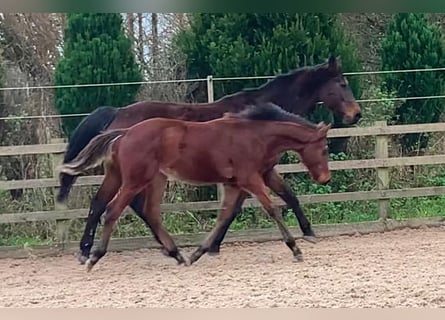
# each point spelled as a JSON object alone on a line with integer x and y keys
{"x": 394, "y": 269}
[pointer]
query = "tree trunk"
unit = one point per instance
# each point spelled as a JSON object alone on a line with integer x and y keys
{"x": 155, "y": 38}
{"x": 130, "y": 26}
{"x": 141, "y": 40}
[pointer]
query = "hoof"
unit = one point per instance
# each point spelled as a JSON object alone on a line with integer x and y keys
{"x": 82, "y": 259}
{"x": 213, "y": 253}
{"x": 187, "y": 262}
{"x": 90, "y": 265}
{"x": 298, "y": 258}
{"x": 165, "y": 252}
{"x": 182, "y": 260}
{"x": 193, "y": 258}
{"x": 311, "y": 239}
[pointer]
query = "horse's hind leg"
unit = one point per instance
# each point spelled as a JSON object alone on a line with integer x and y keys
{"x": 277, "y": 184}
{"x": 215, "y": 247}
{"x": 152, "y": 215}
{"x": 257, "y": 187}
{"x": 106, "y": 192}
{"x": 231, "y": 195}
{"x": 113, "y": 212}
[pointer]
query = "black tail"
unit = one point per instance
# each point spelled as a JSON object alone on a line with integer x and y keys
{"x": 90, "y": 127}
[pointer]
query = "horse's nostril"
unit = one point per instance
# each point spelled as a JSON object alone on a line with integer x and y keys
{"x": 359, "y": 115}
{"x": 324, "y": 179}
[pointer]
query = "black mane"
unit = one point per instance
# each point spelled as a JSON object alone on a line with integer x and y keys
{"x": 271, "y": 112}
{"x": 284, "y": 79}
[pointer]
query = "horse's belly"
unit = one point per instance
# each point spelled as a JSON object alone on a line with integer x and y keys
{"x": 193, "y": 175}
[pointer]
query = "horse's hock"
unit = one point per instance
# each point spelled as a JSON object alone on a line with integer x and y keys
{"x": 399, "y": 268}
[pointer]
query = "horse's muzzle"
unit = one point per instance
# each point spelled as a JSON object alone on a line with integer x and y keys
{"x": 324, "y": 179}
{"x": 350, "y": 120}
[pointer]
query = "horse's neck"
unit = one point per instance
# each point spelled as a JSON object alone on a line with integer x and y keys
{"x": 300, "y": 105}
{"x": 281, "y": 137}
{"x": 298, "y": 96}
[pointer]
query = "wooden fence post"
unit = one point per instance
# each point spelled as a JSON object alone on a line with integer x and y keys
{"x": 211, "y": 98}
{"x": 62, "y": 226}
{"x": 381, "y": 152}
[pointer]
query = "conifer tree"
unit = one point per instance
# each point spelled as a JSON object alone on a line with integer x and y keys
{"x": 412, "y": 42}
{"x": 96, "y": 50}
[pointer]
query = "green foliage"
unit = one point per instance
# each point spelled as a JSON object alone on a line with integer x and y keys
{"x": 96, "y": 50}
{"x": 382, "y": 110}
{"x": 412, "y": 42}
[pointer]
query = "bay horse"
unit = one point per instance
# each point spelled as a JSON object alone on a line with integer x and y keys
{"x": 235, "y": 151}
{"x": 296, "y": 91}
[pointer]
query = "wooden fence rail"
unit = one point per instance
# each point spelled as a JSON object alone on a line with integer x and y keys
{"x": 381, "y": 163}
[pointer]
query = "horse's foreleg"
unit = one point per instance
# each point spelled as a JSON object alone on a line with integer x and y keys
{"x": 215, "y": 246}
{"x": 231, "y": 195}
{"x": 106, "y": 192}
{"x": 112, "y": 214}
{"x": 137, "y": 204}
{"x": 277, "y": 184}
{"x": 257, "y": 187}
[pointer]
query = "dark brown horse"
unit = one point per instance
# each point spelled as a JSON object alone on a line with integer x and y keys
{"x": 297, "y": 92}
{"x": 234, "y": 151}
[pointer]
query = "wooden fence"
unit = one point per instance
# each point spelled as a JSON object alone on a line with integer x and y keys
{"x": 381, "y": 163}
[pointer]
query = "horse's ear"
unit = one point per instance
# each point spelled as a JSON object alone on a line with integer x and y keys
{"x": 325, "y": 128}
{"x": 334, "y": 63}
{"x": 320, "y": 125}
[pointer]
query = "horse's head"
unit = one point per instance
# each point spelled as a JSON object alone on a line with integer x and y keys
{"x": 298, "y": 90}
{"x": 336, "y": 94}
{"x": 314, "y": 155}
